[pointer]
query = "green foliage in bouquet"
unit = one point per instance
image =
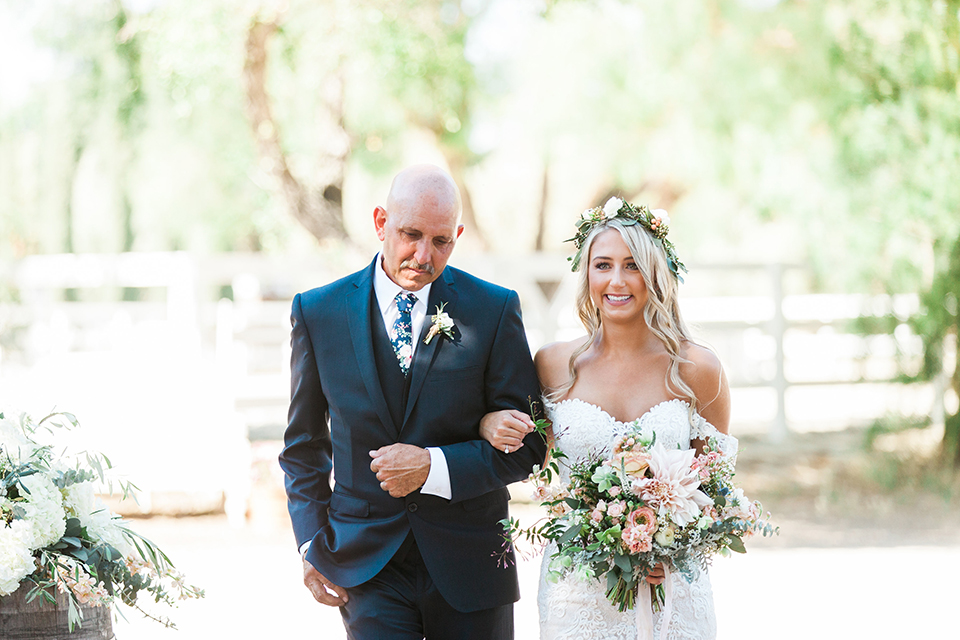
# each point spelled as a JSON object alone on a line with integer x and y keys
{"x": 617, "y": 518}
{"x": 57, "y": 536}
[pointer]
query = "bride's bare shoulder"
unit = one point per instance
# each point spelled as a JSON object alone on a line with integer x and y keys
{"x": 700, "y": 356}
{"x": 702, "y": 370}
{"x": 553, "y": 362}
{"x": 704, "y": 373}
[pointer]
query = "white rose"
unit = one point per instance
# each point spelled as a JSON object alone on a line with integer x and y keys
{"x": 612, "y": 207}
{"x": 665, "y": 536}
{"x": 662, "y": 214}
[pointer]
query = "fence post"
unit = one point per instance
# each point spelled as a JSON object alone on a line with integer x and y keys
{"x": 778, "y": 327}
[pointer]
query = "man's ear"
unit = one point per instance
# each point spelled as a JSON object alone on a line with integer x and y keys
{"x": 459, "y": 230}
{"x": 379, "y": 220}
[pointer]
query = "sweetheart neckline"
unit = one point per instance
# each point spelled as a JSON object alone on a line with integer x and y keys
{"x": 606, "y": 413}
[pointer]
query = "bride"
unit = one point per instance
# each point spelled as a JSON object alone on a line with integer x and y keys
{"x": 637, "y": 362}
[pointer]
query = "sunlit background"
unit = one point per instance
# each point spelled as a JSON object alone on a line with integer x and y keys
{"x": 172, "y": 172}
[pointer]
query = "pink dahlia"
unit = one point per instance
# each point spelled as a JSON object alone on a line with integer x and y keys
{"x": 674, "y": 489}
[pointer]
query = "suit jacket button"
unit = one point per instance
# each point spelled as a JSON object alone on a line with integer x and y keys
{"x": 412, "y": 507}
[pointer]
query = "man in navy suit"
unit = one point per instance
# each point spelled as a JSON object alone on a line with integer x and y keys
{"x": 407, "y": 542}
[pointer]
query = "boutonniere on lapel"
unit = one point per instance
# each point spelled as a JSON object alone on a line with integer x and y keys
{"x": 442, "y": 324}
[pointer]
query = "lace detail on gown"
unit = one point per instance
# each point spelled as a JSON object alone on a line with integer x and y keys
{"x": 578, "y": 609}
{"x": 702, "y": 430}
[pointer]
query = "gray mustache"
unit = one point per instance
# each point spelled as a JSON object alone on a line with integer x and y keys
{"x": 413, "y": 264}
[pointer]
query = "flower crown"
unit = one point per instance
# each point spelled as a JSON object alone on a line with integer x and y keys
{"x": 656, "y": 222}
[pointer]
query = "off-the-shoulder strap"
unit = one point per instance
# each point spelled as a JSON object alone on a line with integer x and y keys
{"x": 701, "y": 430}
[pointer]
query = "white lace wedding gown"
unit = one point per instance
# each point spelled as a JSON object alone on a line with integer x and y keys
{"x": 579, "y": 609}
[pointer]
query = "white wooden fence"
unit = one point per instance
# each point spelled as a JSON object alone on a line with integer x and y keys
{"x": 178, "y": 383}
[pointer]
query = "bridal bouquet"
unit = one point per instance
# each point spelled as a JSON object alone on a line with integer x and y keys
{"x": 55, "y": 534}
{"x": 621, "y": 517}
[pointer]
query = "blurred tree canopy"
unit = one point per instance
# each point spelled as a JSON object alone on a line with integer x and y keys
{"x": 895, "y": 112}
{"x": 218, "y": 125}
{"x": 228, "y": 117}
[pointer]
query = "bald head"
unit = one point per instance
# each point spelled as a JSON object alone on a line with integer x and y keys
{"x": 424, "y": 185}
{"x": 419, "y": 226}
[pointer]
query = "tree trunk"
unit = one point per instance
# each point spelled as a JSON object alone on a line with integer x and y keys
{"x": 319, "y": 209}
{"x": 542, "y": 214}
{"x": 951, "y": 432}
{"x": 70, "y": 294}
{"x": 951, "y": 441}
{"x": 127, "y": 47}
{"x": 939, "y": 317}
{"x": 458, "y": 173}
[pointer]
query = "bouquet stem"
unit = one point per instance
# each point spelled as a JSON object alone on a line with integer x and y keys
{"x": 624, "y": 595}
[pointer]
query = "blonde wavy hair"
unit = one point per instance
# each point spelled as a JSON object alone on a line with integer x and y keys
{"x": 661, "y": 312}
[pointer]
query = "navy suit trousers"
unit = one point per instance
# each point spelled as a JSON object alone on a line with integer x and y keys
{"x": 402, "y": 603}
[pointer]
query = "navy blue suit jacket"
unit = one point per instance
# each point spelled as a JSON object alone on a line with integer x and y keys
{"x": 338, "y": 413}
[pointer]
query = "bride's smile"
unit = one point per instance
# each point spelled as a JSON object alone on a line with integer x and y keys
{"x": 616, "y": 284}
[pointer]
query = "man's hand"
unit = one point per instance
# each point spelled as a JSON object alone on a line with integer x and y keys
{"x": 400, "y": 468}
{"x": 506, "y": 429}
{"x": 322, "y": 589}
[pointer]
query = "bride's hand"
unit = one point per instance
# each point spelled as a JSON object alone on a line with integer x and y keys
{"x": 656, "y": 575}
{"x": 506, "y": 429}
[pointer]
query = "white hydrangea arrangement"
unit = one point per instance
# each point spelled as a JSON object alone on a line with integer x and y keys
{"x": 57, "y": 535}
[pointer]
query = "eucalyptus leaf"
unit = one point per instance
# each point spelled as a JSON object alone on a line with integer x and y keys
{"x": 736, "y": 544}
{"x": 569, "y": 534}
{"x": 74, "y": 528}
{"x": 80, "y": 554}
{"x": 612, "y": 580}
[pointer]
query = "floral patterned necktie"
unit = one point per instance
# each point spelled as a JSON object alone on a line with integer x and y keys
{"x": 402, "y": 335}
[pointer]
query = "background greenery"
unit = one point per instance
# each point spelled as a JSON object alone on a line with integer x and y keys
{"x": 823, "y": 132}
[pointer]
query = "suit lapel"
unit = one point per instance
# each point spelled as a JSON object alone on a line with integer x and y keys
{"x": 442, "y": 291}
{"x": 359, "y": 301}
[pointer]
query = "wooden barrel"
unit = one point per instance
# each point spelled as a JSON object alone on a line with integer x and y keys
{"x": 42, "y": 620}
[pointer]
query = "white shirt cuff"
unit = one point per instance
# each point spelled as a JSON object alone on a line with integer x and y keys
{"x": 304, "y": 547}
{"x": 438, "y": 480}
